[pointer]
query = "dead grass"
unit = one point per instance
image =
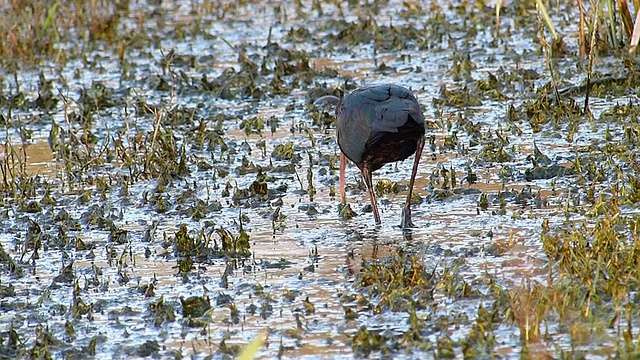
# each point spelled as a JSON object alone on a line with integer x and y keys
{"x": 34, "y": 29}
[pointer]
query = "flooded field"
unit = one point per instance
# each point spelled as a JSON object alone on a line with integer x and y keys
{"x": 169, "y": 188}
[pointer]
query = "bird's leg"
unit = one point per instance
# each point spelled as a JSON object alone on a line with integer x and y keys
{"x": 406, "y": 212}
{"x": 343, "y": 161}
{"x": 366, "y": 172}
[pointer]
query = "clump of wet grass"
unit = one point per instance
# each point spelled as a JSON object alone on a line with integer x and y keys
{"x": 258, "y": 193}
{"x": 276, "y": 73}
{"x": 202, "y": 247}
{"x": 400, "y": 283}
{"x": 459, "y": 98}
{"x": 383, "y": 37}
{"x": 285, "y": 152}
{"x": 386, "y": 186}
{"x": 161, "y": 312}
{"x": 195, "y": 307}
{"x": 234, "y": 245}
{"x": 345, "y": 211}
{"x": 590, "y": 288}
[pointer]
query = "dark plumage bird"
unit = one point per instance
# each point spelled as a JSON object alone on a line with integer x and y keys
{"x": 377, "y": 125}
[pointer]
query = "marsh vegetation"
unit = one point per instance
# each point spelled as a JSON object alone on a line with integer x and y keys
{"x": 169, "y": 190}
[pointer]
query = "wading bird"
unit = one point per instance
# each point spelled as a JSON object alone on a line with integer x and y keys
{"x": 377, "y": 125}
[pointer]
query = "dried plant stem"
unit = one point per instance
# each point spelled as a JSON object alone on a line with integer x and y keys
{"x": 498, "y": 6}
{"x": 592, "y": 42}
{"x": 547, "y": 48}
{"x": 581, "y": 43}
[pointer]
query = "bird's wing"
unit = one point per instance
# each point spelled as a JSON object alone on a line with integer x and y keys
{"x": 353, "y": 126}
{"x": 395, "y": 109}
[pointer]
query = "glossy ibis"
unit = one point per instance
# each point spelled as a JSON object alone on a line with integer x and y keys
{"x": 377, "y": 125}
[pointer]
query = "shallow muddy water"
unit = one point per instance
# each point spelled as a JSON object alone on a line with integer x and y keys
{"x": 127, "y": 198}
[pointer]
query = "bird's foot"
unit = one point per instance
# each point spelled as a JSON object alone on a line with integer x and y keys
{"x": 406, "y": 219}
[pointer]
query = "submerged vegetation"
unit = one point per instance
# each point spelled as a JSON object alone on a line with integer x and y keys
{"x": 168, "y": 189}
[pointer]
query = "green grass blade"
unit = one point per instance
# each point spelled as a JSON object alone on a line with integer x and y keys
{"x": 545, "y": 16}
